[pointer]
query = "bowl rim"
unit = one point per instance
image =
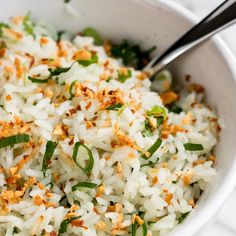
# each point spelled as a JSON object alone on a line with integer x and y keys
{"x": 196, "y": 223}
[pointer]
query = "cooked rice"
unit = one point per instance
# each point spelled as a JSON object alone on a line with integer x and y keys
{"x": 158, "y": 195}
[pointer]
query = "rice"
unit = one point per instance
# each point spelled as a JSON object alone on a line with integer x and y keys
{"x": 86, "y": 148}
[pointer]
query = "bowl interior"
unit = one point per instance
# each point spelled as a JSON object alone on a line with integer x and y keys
{"x": 151, "y": 22}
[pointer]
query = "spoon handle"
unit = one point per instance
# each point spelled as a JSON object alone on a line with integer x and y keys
{"x": 220, "y": 18}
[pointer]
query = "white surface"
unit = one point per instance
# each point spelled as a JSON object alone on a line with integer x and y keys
{"x": 224, "y": 224}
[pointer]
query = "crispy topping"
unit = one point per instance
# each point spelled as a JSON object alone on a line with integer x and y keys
{"x": 169, "y": 97}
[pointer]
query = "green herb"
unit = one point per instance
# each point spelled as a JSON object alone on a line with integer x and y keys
{"x": 122, "y": 77}
{"x": 53, "y": 72}
{"x": 159, "y": 121}
{"x": 109, "y": 79}
{"x": 59, "y": 70}
{"x": 182, "y": 217}
{"x": 83, "y": 158}
{"x": 152, "y": 149}
{"x": 67, "y": 1}
{"x": 147, "y": 131}
{"x": 94, "y": 34}
{"x": 59, "y": 35}
{"x": 50, "y": 148}
{"x": 65, "y": 223}
{"x": 92, "y": 60}
{"x": 37, "y": 80}
{"x": 132, "y": 55}
{"x": 144, "y": 226}
{"x": 28, "y": 25}
{"x": 15, "y": 230}
{"x": 174, "y": 108}
{"x": 2, "y": 26}
{"x": 114, "y": 107}
{"x": 71, "y": 89}
{"x": 157, "y": 111}
{"x": 151, "y": 164}
{"x": 15, "y": 139}
{"x": 193, "y": 147}
{"x": 83, "y": 185}
{"x": 134, "y": 228}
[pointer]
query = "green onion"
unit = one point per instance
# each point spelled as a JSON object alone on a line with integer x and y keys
{"x": 159, "y": 121}
{"x": 15, "y": 230}
{"x": 193, "y": 147}
{"x": 67, "y": 1}
{"x": 37, "y": 80}
{"x": 28, "y": 25}
{"x": 15, "y": 139}
{"x": 134, "y": 228}
{"x": 151, "y": 164}
{"x": 174, "y": 108}
{"x": 59, "y": 35}
{"x": 157, "y": 111}
{"x": 59, "y": 70}
{"x": 122, "y": 78}
{"x": 153, "y": 149}
{"x": 83, "y": 185}
{"x": 71, "y": 88}
{"x": 53, "y": 72}
{"x": 50, "y": 148}
{"x": 92, "y": 60}
{"x": 65, "y": 223}
{"x": 83, "y": 158}
{"x": 94, "y": 34}
{"x": 147, "y": 131}
{"x": 182, "y": 217}
{"x": 3, "y": 25}
{"x": 114, "y": 107}
{"x": 131, "y": 55}
{"x": 144, "y": 226}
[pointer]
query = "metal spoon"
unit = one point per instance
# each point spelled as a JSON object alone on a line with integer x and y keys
{"x": 220, "y": 18}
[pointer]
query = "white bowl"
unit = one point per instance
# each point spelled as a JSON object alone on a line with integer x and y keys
{"x": 151, "y": 22}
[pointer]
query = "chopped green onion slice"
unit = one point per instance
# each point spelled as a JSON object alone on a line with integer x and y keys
{"x": 153, "y": 149}
{"x": 122, "y": 78}
{"x": 71, "y": 89}
{"x": 151, "y": 164}
{"x": 50, "y": 148}
{"x": 144, "y": 226}
{"x": 193, "y": 147}
{"x": 83, "y": 158}
{"x": 28, "y": 25}
{"x": 15, "y": 139}
{"x": 134, "y": 228}
{"x": 159, "y": 121}
{"x": 174, "y": 108}
{"x": 94, "y": 34}
{"x": 131, "y": 54}
{"x": 66, "y": 1}
{"x": 83, "y": 185}
{"x": 53, "y": 72}
{"x": 182, "y": 217}
{"x": 59, "y": 70}
{"x": 92, "y": 60}
{"x": 114, "y": 107}
{"x": 38, "y": 80}
{"x": 65, "y": 223}
{"x": 157, "y": 111}
{"x": 3, "y": 25}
